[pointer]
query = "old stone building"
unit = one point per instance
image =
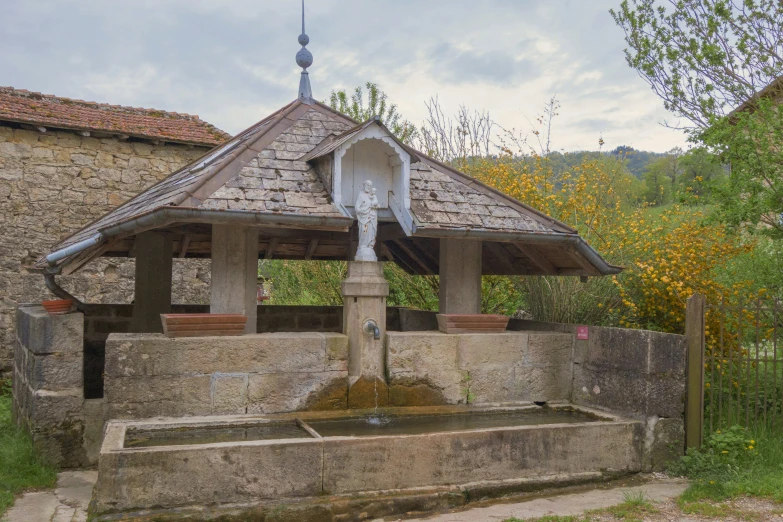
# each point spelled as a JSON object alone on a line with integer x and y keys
{"x": 64, "y": 163}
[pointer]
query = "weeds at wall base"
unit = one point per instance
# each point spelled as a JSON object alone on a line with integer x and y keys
{"x": 20, "y": 468}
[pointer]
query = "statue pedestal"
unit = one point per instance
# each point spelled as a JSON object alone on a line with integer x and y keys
{"x": 364, "y": 299}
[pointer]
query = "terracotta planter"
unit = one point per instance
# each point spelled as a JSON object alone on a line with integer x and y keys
{"x": 472, "y": 323}
{"x": 203, "y": 325}
{"x": 58, "y": 306}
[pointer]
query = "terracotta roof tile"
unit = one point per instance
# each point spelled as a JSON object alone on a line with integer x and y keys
{"x": 52, "y": 111}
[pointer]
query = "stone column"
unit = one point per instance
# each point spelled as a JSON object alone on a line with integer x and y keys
{"x": 364, "y": 298}
{"x": 235, "y": 272}
{"x": 152, "y": 296}
{"x": 460, "y": 276}
{"x": 49, "y": 384}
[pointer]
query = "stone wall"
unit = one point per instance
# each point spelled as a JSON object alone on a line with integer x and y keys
{"x": 102, "y": 319}
{"x": 637, "y": 373}
{"x": 54, "y": 183}
{"x": 150, "y": 375}
{"x": 48, "y": 398}
{"x": 430, "y": 368}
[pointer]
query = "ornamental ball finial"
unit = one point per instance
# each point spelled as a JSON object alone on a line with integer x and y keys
{"x": 304, "y": 39}
{"x": 304, "y": 58}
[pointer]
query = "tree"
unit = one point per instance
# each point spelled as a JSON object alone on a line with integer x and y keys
{"x": 704, "y": 58}
{"x": 656, "y": 185}
{"x": 701, "y": 172}
{"x": 717, "y": 63}
{"x": 377, "y": 105}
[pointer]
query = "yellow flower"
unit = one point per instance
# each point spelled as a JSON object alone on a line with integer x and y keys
{"x": 725, "y": 452}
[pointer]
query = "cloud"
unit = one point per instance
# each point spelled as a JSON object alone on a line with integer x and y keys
{"x": 469, "y": 66}
{"x": 232, "y": 61}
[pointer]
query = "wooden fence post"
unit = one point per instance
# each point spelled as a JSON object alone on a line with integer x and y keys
{"x": 694, "y": 370}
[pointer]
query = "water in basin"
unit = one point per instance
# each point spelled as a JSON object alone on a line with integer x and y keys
{"x": 210, "y": 434}
{"x": 415, "y": 424}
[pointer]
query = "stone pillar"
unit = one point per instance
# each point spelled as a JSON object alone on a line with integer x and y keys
{"x": 49, "y": 384}
{"x": 153, "y": 280}
{"x": 235, "y": 272}
{"x": 364, "y": 298}
{"x": 460, "y": 276}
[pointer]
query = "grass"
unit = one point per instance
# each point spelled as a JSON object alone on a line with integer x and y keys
{"x": 739, "y": 472}
{"x": 20, "y": 468}
{"x": 633, "y": 509}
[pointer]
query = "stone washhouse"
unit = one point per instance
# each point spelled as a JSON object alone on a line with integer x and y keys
{"x": 309, "y": 183}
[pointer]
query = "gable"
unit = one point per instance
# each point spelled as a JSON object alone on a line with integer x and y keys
{"x": 276, "y": 180}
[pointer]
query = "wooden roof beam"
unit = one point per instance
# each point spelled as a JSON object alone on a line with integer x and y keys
{"x": 184, "y": 244}
{"x": 502, "y": 255}
{"x": 311, "y": 249}
{"x": 425, "y": 265}
{"x": 537, "y": 258}
{"x": 404, "y": 260}
{"x": 582, "y": 262}
{"x": 270, "y": 248}
{"x": 385, "y": 252}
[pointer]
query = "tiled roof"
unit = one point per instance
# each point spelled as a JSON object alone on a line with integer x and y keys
{"x": 441, "y": 201}
{"x": 52, "y": 111}
{"x": 278, "y": 180}
{"x": 261, "y": 174}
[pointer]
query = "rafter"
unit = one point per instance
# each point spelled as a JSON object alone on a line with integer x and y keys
{"x": 184, "y": 244}
{"x": 502, "y": 256}
{"x": 270, "y": 248}
{"x": 429, "y": 269}
{"x": 537, "y": 258}
{"x": 403, "y": 259}
{"x": 311, "y": 249}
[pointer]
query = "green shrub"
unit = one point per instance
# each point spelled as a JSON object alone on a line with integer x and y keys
{"x": 723, "y": 452}
{"x": 733, "y": 463}
{"x": 20, "y": 467}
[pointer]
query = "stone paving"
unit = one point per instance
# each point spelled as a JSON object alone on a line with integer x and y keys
{"x": 66, "y": 503}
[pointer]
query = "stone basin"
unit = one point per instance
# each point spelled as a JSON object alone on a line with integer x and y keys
{"x": 244, "y": 462}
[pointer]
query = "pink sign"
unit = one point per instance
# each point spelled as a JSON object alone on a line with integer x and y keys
{"x": 581, "y": 333}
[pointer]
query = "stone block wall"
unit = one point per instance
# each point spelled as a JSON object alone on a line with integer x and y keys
{"x": 429, "y": 368}
{"x": 634, "y": 373}
{"x": 100, "y": 320}
{"x": 47, "y": 384}
{"x": 54, "y": 183}
{"x": 637, "y": 373}
{"x": 150, "y": 375}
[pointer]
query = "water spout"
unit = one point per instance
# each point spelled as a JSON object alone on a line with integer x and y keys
{"x": 371, "y": 327}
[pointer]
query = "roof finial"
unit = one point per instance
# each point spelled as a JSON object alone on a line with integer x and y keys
{"x": 304, "y": 59}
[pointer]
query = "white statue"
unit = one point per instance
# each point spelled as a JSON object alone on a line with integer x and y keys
{"x": 367, "y": 213}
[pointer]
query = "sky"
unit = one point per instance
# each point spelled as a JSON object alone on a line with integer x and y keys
{"x": 232, "y": 61}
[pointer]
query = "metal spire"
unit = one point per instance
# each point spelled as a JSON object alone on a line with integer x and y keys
{"x": 304, "y": 59}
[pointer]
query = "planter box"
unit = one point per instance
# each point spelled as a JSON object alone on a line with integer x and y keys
{"x": 471, "y": 323}
{"x": 203, "y": 325}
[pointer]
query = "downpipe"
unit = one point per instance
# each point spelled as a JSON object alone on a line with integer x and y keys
{"x": 61, "y": 292}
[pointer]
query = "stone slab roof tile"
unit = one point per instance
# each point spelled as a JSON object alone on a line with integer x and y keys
{"x": 288, "y": 185}
{"x": 46, "y": 110}
{"x": 438, "y": 200}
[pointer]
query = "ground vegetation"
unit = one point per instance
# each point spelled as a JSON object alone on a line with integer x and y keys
{"x": 20, "y": 468}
